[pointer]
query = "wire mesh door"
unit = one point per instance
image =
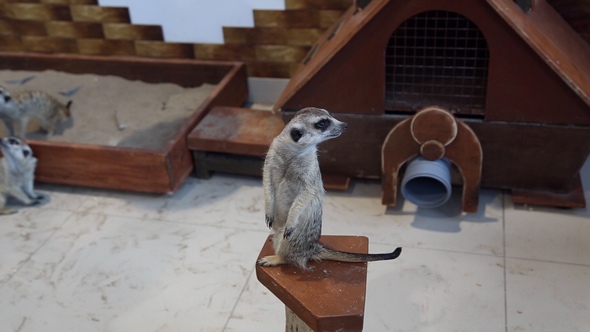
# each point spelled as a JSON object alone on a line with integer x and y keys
{"x": 437, "y": 58}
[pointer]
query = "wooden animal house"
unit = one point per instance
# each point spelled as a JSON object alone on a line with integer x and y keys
{"x": 514, "y": 76}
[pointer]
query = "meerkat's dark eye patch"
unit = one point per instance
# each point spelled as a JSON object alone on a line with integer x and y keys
{"x": 296, "y": 134}
{"x": 13, "y": 141}
{"x": 323, "y": 124}
{"x": 26, "y": 153}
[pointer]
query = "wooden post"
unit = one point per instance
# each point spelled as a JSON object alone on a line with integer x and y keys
{"x": 329, "y": 298}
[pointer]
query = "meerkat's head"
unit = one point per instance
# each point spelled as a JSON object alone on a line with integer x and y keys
{"x": 17, "y": 152}
{"x": 311, "y": 126}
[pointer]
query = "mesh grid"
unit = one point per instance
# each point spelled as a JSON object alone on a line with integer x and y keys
{"x": 437, "y": 58}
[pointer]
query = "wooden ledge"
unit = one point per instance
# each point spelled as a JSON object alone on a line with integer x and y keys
{"x": 330, "y": 298}
{"x": 234, "y": 130}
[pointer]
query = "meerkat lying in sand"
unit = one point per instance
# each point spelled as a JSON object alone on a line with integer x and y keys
{"x": 27, "y": 105}
{"x": 294, "y": 192}
{"x": 17, "y": 173}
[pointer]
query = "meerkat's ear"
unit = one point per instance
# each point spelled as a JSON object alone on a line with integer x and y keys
{"x": 296, "y": 134}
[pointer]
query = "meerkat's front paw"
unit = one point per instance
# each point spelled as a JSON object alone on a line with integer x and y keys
{"x": 269, "y": 221}
{"x": 7, "y": 211}
{"x": 39, "y": 198}
{"x": 287, "y": 233}
{"x": 273, "y": 260}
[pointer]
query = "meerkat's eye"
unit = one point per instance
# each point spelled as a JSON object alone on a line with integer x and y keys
{"x": 13, "y": 141}
{"x": 296, "y": 134}
{"x": 323, "y": 124}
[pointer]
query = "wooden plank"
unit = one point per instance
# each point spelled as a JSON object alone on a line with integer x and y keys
{"x": 90, "y": 13}
{"x": 313, "y": 4}
{"x": 132, "y": 31}
{"x": 70, "y": 2}
{"x": 572, "y": 198}
{"x": 36, "y": 12}
{"x": 161, "y": 49}
{"x": 29, "y": 28}
{"x": 66, "y": 29}
{"x": 271, "y": 69}
{"x": 105, "y": 47}
{"x": 224, "y": 52}
{"x": 280, "y": 53}
{"x": 256, "y": 35}
{"x": 271, "y": 36}
{"x": 329, "y": 298}
{"x": 10, "y": 44}
{"x": 236, "y": 130}
{"x": 49, "y": 44}
{"x": 300, "y": 19}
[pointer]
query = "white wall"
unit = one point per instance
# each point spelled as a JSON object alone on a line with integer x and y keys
{"x": 194, "y": 21}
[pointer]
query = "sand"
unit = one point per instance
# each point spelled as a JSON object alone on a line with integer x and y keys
{"x": 110, "y": 110}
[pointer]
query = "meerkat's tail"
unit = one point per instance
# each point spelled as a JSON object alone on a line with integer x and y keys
{"x": 325, "y": 253}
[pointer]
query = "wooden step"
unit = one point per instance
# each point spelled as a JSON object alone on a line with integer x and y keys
{"x": 36, "y": 12}
{"x": 91, "y": 13}
{"x": 233, "y": 140}
{"x": 133, "y": 31}
{"x": 234, "y": 130}
{"x": 271, "y": 36}
{"x": 301, "y": 19}
{"x": 314, "y": 4}
{"x": 68, "y": 29}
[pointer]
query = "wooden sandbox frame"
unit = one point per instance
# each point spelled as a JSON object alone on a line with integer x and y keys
{"x": 143, "y": 170}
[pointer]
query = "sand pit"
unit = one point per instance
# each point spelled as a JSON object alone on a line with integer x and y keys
{"x": 109, "y": 110}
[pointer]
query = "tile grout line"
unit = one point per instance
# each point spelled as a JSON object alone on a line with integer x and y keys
{"x": 238, "y": 299}
{"x": 26, "y": 260}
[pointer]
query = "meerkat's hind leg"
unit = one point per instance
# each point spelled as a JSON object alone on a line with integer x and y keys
{"x": 272, "y": 260}
{"x": 3, "y": 209}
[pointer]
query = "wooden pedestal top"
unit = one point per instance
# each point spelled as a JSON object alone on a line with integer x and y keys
{"x": 330, "y": 298}
{"x": 235, "y": 130}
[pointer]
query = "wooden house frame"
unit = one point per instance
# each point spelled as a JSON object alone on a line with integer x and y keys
{"x": 521, "y": 74}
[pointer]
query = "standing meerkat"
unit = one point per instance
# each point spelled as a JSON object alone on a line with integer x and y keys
{"x": 294, "y": 193}
{"x": 27, "y": 105}
{"x": 17, "y": 173}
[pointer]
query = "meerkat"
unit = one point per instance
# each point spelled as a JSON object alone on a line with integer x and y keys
{"x": 28, "y": 105}
{"x": 17, "y": 173}
{"x": 294, "y": 193}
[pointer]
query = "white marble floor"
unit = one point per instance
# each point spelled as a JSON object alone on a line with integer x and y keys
{"x": 95, "y": 260}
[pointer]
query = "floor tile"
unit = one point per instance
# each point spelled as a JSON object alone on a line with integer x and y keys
{"x": 216, "y": 202}
{"x": 23, "y": 233}
{"x": 123, "y": 274}
{"x": 257, "y": 310}
{"x": 427, "y": 290}
{"x": 544, "y": 296}
{"x": 549, "y": 234}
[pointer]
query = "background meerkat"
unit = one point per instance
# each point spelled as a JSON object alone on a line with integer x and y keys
{"x": 17, "y": 173}
{"x": 294, "y": 192}
{"x": 27, "y": 105}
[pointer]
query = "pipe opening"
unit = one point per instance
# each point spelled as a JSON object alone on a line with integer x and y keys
{"x": 427, "y": 183}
